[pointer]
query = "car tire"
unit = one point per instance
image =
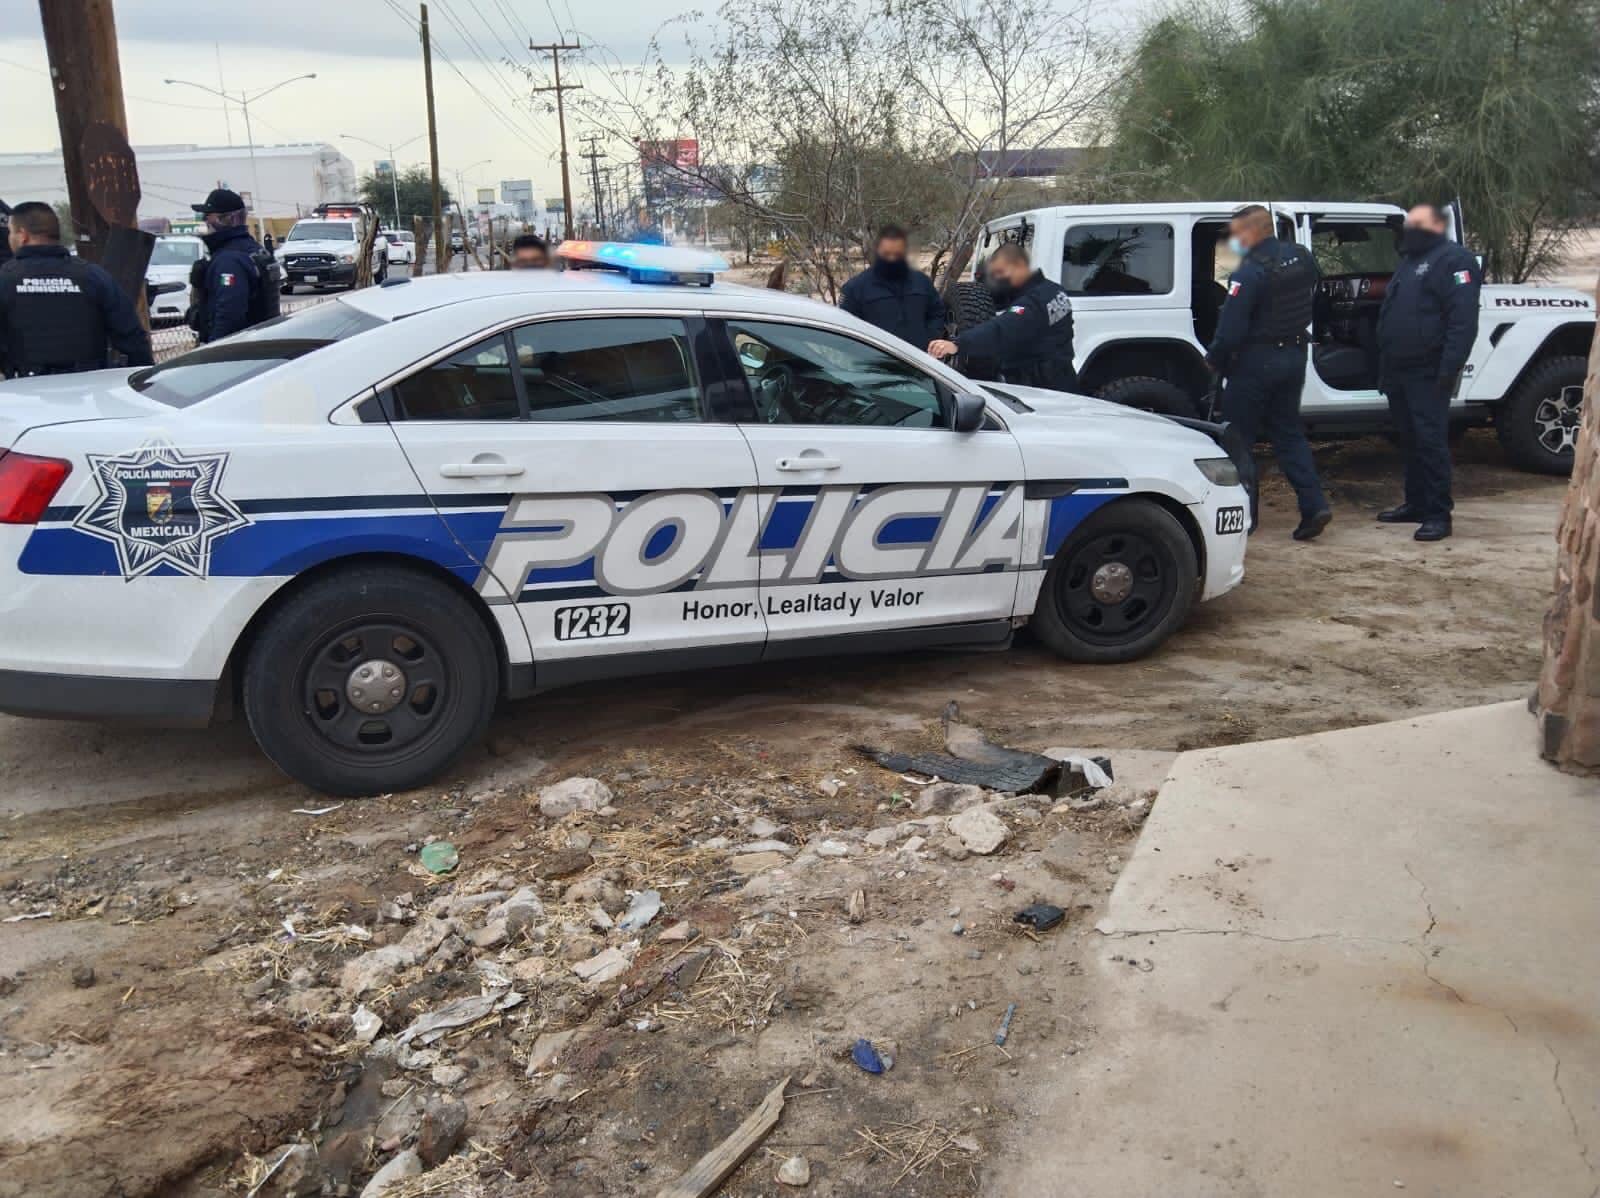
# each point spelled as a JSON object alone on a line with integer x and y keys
{"x": 1538, "y": 422}
{"x": 370, "y": 617}
{"x": 973, "y": 305}
{"x": 1134, "y": 548}
{"x": 1149, "y": 395}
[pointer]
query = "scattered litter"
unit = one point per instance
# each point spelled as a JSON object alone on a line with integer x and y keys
{"x": 440, "y": 857}
{"x": 1041, "y": 917}
{"x": 30, "y": 915}
{"x": 866, "y": 1057}
{"x": 1095, "y": 771}
{"x": 974, "y": 760}
{"x": 430, "y": 1027}
{"x": 645, "y": 907}
{"x": 711, "y": 1170}
{"x": 366, "y": 1024}
{"x": 316, "y": 810}
{"x": 1005, "y": 1026}
{"x": 856, "y": 908}
{"x": 796, "y": 1171}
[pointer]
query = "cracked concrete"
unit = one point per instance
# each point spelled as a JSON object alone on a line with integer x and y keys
{"x": 1374, "y": 968}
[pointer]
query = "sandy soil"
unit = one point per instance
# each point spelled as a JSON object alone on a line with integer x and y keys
{"x": 169, "y": 861}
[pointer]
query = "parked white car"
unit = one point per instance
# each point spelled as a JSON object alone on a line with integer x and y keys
{"x": 402, "y": 246}
{"x": 1148, "y": 280}
{"x": 367, "y": 521}
{"x": 167, "y": 277}
{"x": 323, "y": 252}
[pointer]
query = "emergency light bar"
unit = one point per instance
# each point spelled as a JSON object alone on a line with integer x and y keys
{"x": 645, "y": 263}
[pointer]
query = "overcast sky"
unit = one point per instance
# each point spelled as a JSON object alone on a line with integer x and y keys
{"x": 369, "y": 74}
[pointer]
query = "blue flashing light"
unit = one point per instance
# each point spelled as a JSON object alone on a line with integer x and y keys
{"x": 647, "y": 263}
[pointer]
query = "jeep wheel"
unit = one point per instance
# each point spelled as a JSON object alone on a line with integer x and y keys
{"x": 1120, "y": 586}
{"x": 370, "y": 680}
{"x": 1538, "y": 422}
{"x": 973, "y": 306}
{"x": 1149, "y": 395}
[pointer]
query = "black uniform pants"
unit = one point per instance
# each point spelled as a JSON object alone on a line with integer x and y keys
{"x": 1419, "y": 405}
{"x": 1262, "y": 397}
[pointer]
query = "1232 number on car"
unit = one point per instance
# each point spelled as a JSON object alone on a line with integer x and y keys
{"x": 1230, "y": 519}
{"x": 591, "y": 621}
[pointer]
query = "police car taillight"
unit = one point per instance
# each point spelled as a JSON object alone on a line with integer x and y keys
{"x": 27, "y": 485}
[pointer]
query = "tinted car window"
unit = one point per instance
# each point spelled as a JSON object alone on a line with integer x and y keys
{"x": 1118, "y": 260}
{"x": 803, "y": 375}
{"x": 472, "y": 384}
{"x": 609, "y": 368}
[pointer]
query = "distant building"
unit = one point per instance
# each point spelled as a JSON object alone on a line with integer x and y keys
{"x": 519, "y": 194}
{"x": 1045, "y": 163}
{"x": 294, "y": 178}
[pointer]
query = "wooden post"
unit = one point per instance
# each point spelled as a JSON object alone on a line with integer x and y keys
{"x": 80, "y": 37}
{"x": 1568, "y": 700}
{"x": 555, "y": 50}
{"x": 441, "y": 240}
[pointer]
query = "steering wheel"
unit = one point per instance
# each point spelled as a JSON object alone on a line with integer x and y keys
{"x": 777, "y": 382}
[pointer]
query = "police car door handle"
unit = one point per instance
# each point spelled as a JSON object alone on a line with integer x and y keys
{"x": 809, "y": 462}
{"x": 490, "y": 469}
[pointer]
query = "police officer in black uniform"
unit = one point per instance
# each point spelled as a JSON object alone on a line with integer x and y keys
{"x": 1426, "y": 328}
{"x": 58, "y": 314}
{"x": 240, "y": 285}
{"x": 1030, "y": 337}
{"x": 1260, "y": 350}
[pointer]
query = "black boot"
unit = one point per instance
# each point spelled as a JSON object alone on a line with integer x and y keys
{"x": 1310, "y": 527}
{"x": 1435, "y": 528}
{"x": 1404, "y": 514}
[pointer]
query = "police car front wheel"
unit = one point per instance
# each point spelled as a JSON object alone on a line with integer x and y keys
{"x": 1120, "y": 586}
{"x": 370, "y": 680}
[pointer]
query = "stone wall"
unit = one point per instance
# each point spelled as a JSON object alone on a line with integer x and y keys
{"x": 1568, "y": 701}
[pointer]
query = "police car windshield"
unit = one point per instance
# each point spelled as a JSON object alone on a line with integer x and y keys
{"x": 174, "y": 253}
{"x": 322, "y": 230}
{"x": 211, "y": 369}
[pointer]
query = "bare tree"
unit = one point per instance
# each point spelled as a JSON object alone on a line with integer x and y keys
{"x": 992, "y": 83}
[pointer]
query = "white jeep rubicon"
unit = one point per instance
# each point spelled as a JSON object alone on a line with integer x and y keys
{"x": 1148, "y": 280}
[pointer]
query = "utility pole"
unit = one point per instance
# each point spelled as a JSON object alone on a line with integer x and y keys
{"x": 441, "y": 242}
{"x": 555, "y": 51}
{"x": 80, "y": 38}
{"x": 594, "y": 156}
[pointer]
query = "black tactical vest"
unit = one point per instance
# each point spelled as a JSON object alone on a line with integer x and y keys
{"x": 1048, "y": 363}
{"x": 1291, "y": 283}
{"x": 54, "y": 325}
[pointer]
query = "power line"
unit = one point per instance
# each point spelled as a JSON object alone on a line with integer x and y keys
{"x": 555, "y": 50}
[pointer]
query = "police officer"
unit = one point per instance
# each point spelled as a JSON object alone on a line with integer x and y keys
{"x": 238, "y": 287}
{"x": 58, "y": 313}
{"x": 1030, "y": 338}
{"x": 1426, "y": 328}
{"x": 892, "y": 296}
{"x": 1260, "y": 350}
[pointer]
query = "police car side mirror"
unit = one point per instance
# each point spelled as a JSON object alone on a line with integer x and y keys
{"x": 970, "y": 410}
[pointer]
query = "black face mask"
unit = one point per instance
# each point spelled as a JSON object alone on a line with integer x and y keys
{"x": 1414, "y": 240}
{"x": 893, "y": 269}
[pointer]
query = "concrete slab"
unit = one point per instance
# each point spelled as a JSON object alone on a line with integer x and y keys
{"x": 1350, "y": 963}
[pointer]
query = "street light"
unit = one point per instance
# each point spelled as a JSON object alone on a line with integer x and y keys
{"x": 244, "y": 100}
{"x": 394, "y": 165}
{"x": 461, "y": 195}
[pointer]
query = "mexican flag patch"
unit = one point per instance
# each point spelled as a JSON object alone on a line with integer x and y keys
{"x": 1463, "y": 276}
{"x": 1235, "y": 288}
{"x": 226, "y": 280}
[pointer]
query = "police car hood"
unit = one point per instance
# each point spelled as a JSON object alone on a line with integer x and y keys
{"x": 1058, "y": 408}
{"x": 177, "y": 272}
{"x": 65, "y": 398}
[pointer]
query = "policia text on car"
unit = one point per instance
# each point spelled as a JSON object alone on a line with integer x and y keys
{"x": 1260, "y": 351}
{"x": 59, "y": 314}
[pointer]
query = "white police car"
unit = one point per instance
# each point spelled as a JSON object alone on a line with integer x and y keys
{"x": 368, "y": 521}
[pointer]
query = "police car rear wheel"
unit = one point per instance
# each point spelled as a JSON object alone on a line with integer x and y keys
{"x": 370, "y": 680}
{"x": 1120, "y": 586}
{"x": 1538, "y": 423}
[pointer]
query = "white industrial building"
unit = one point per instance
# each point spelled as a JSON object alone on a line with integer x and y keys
{"x": 294, "y": 178}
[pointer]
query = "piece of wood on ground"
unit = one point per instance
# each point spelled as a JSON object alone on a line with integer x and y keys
{"x": 711, "y": 1170}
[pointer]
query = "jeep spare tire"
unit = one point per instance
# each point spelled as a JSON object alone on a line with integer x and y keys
{"x": 1149, "y": 395}
{"x": 1538, "y": 422}
{"x": 973, "y": 305}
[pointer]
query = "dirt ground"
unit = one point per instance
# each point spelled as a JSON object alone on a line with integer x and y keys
{"x": 219, "y": 922}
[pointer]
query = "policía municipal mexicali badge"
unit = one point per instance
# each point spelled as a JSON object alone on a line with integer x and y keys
{"x": 160, "y": 507}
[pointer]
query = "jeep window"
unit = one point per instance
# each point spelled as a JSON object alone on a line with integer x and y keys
{"x": 323, "y": 230}
{"x": 1118, "y": 260}
{"x": 1366, "y": 247}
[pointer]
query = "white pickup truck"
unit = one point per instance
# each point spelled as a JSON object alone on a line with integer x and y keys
{"x": 1147, "y": 282}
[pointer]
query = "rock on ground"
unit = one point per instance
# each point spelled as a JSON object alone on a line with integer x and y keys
{"x": 443, "y": 1122}
{"x": 943, "y": 798}
{"x": 403, "y": 1165}
{"x": 574, "y": 794}
{"x": 979, "y": 830}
